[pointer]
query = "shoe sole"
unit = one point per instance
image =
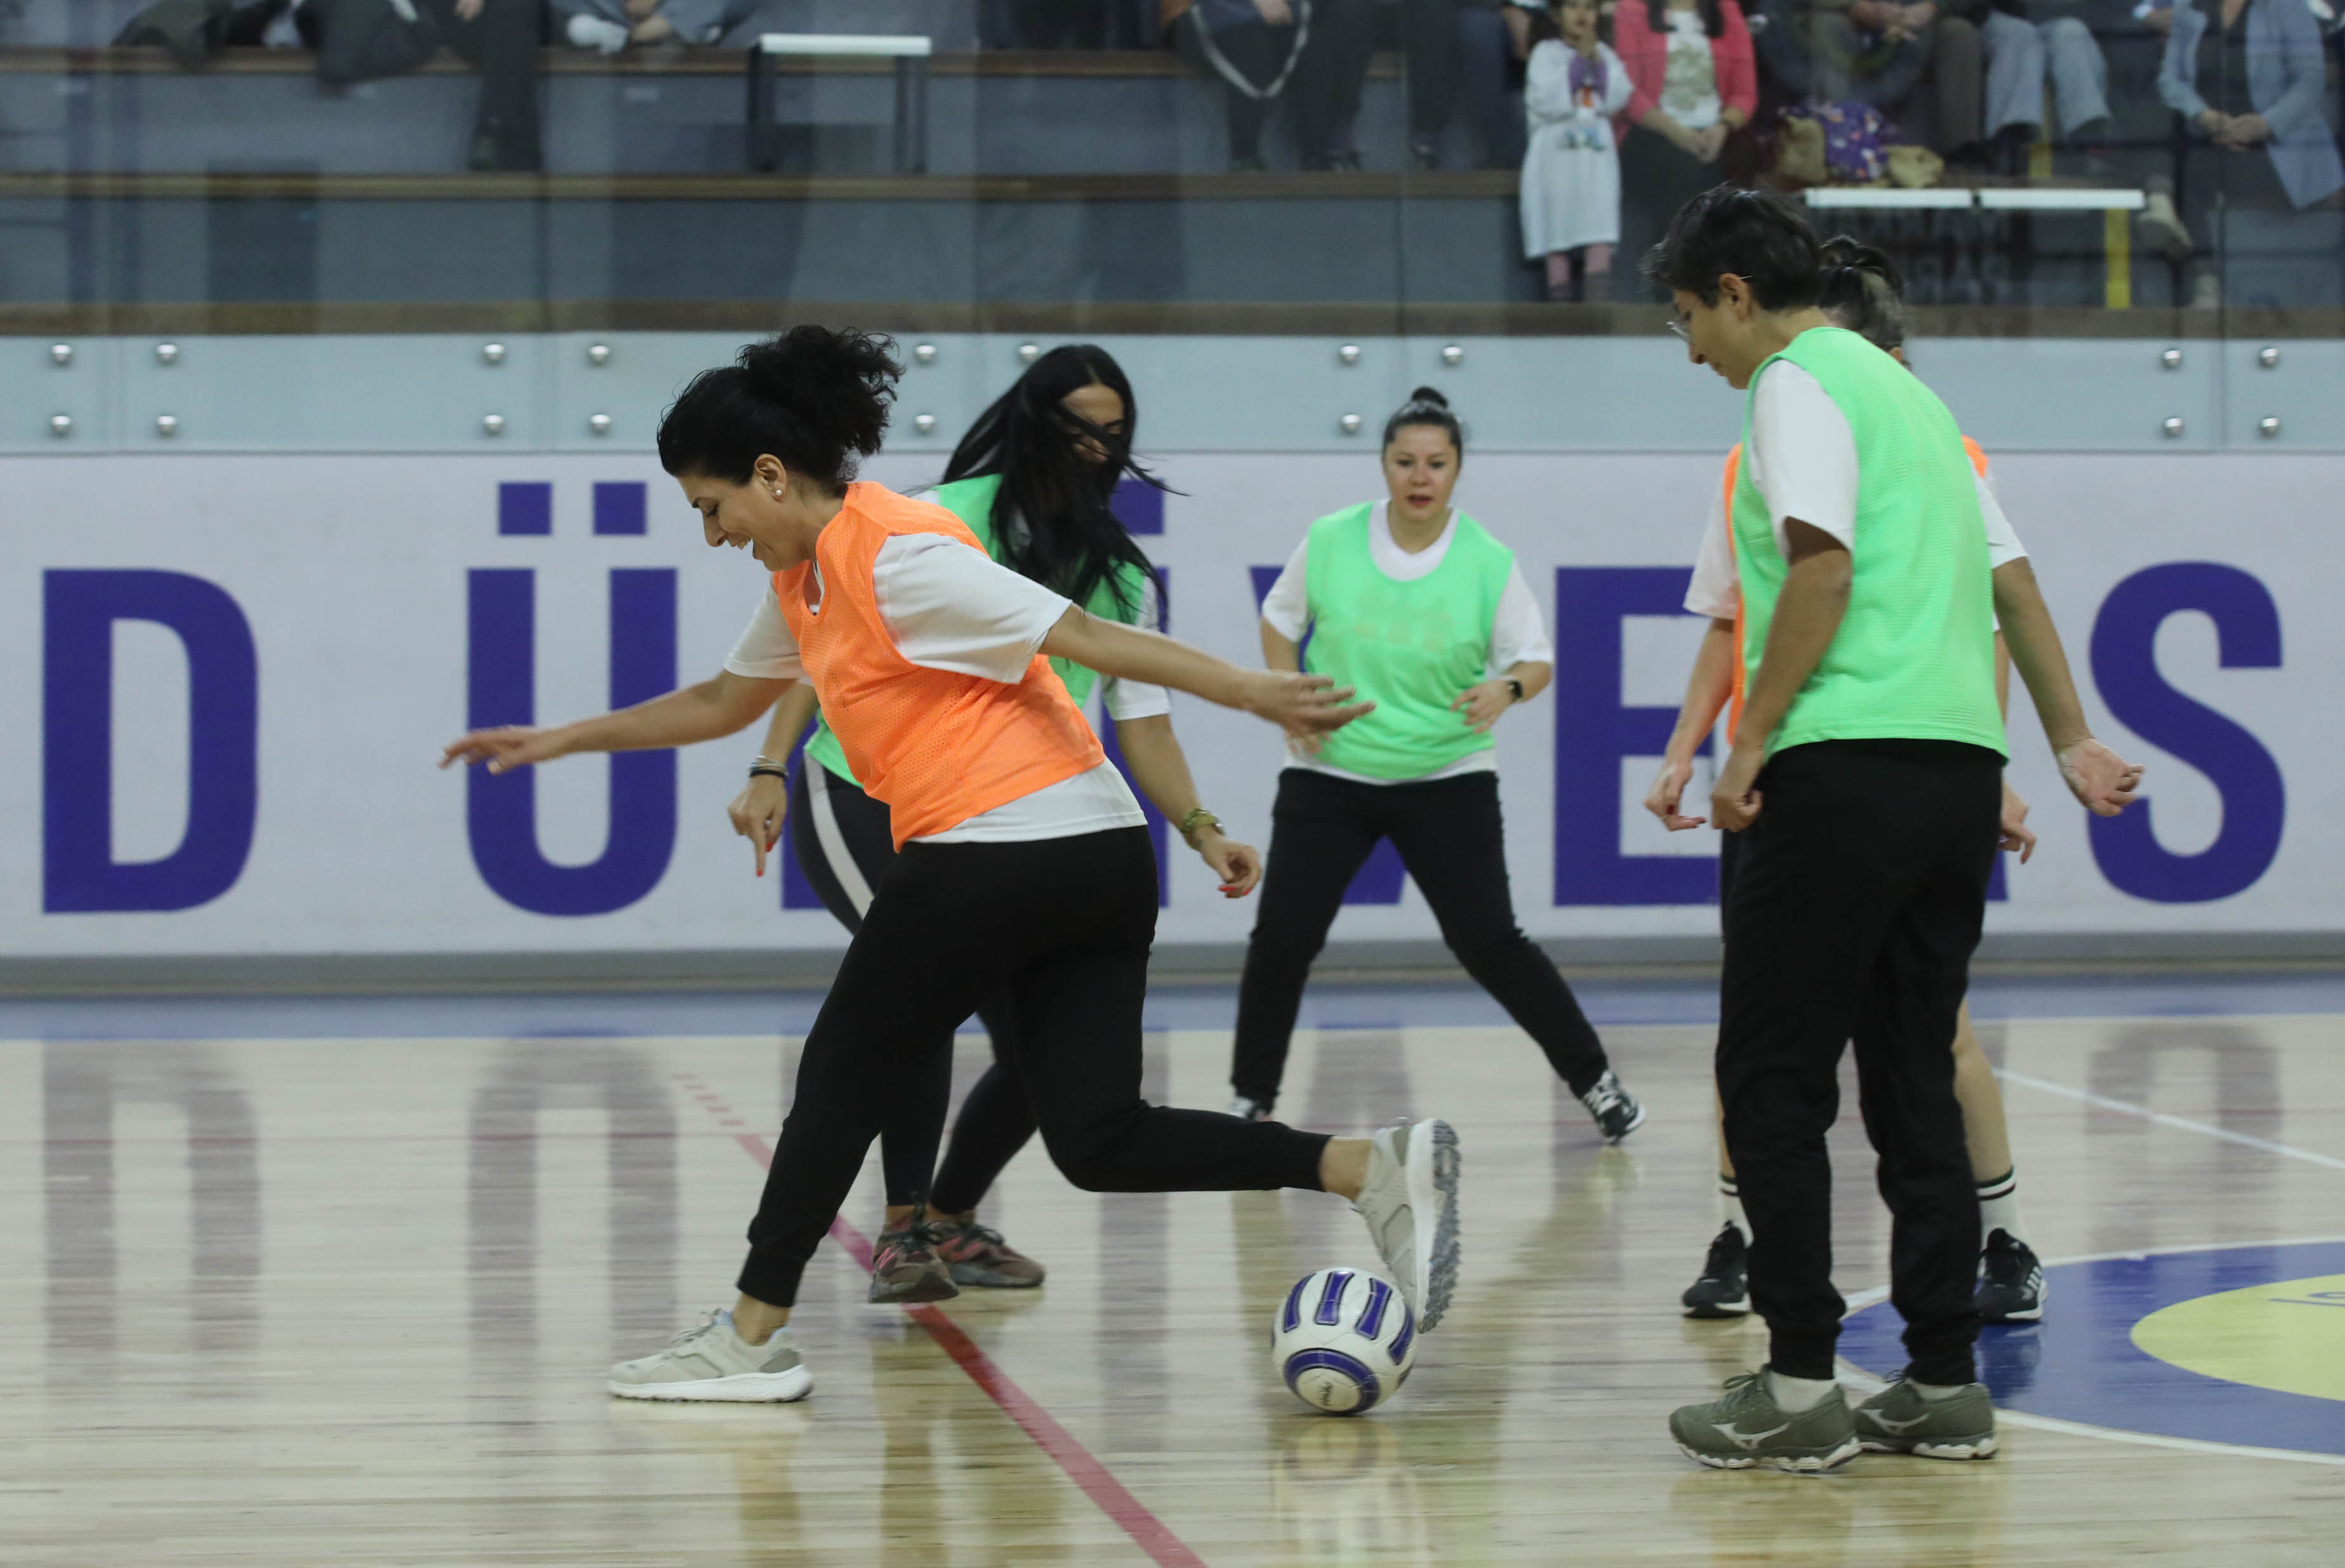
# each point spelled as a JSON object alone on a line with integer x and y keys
{"x": 1433, "y": 1189}
{"x": 987, "y": 1280}
{"x": 1960, "y": 1448}
{"x": 742, "y": 1388}
{"x": 936, "y": 1286}
{"x": 1793, "y": 1463}
{"x": 1720, "y": 1310}
{"x": 2024, "y": 1315}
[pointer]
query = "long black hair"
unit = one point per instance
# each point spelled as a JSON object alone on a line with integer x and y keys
{"x": 1713, "y": 20}
{"x": 1864, "y": 292}
{"x": 816, "y": 398}
{"x": 1071, "y": 543}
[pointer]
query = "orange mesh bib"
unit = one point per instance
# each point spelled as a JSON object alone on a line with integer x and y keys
{"x": 936, "y": 747}
{"x": 1733, "y": 468}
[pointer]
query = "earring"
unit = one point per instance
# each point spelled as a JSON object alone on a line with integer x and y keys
{"x": 777, "y": 495}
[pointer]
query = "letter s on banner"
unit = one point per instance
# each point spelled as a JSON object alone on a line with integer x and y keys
{"x": 2125, "y": 668}
{"x": 501, "y": 809}
{"x": 79, "y": 873}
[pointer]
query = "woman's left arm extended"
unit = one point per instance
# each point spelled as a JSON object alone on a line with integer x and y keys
{"x": 1293, "y": 701}
{"x": 720, "y": 705}
{"x": 1160, "y": 769}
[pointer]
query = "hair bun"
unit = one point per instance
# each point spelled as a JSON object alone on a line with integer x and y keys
{"x": 1428, "y": 395}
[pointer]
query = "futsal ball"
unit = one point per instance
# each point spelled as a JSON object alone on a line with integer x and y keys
{"x": 1344, "y": 1341}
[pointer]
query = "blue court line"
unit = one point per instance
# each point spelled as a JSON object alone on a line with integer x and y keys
{"x": 1334, "y": 1007}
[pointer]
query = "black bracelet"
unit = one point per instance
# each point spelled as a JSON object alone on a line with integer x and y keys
{"x": 1516, "y": 687}
{"x": 763, "y": 771}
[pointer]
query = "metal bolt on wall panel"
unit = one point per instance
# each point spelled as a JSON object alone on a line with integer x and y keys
{"x": 60, "y": 424}
{"x": 1454, "y": 354}
{"x": 599, "y": 423}
{"x": 926, "y": 353}
{"x": 494, "y": 353}
{"x": 2172, "y": 427}
{"x": 493, "y": 425}
{"x": 1029, "y": 353}
{"x": 925, "y": 424}
{"x": 2268, "y": 426}
{"x": 166, "y": 353}
{"x": 2268, "y": 357}
{"x": 1349, "y": 424}
{"x": 61, "y": 354}
{"x": 1349, "y": 353}
{"x": 2171, "y": 358}
{"x": 598, "y": 353}
{"x": 167, "y": 425}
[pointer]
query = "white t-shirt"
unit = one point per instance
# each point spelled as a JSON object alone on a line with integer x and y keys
{"x": 1802, "y": 458}
{"x": 1518, "y": 632}
{"x": 949, "y": 607}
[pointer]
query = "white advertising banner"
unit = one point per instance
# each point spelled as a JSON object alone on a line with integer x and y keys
{"x": 226, "y": 680}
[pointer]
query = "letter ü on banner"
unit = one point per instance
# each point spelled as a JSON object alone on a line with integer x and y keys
{"x": 501, "y": 809}
{"x": 79, "y": 873}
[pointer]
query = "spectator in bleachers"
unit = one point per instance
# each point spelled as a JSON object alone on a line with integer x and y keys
{"x": 1696, "y": 85}
{"x": 611, "y": 26}
{"x": 1570, "y": 194}
{"x": 1262, "y": 49}
{"x": 2029, "y": 43}
{"x": 1460, "y": 49}
{"x": 1882, "y": 54}
{"x": 2249, "y": 76}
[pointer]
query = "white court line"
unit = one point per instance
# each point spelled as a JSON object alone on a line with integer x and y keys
{"x": 2103, "y": 1102}
{"x": 1864, "y": 1382}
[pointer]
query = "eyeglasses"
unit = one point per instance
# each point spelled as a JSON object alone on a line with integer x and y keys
{"x": 1679, "y": 326}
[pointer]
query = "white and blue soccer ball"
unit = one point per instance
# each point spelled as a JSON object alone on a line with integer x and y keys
{"x": 1344, "y": 1341}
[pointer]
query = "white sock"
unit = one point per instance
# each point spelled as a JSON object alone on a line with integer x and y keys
{"x": 1999, "y": 1208}
{"x": 1799, "y": 1393}
{"x": 1931, "y": 1390}
{"x": 1730, "y": 1205}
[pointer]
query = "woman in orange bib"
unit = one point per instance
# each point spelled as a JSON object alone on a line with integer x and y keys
{"x": 1022, "y": 852}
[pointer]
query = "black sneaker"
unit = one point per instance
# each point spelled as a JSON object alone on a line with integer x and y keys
{"x": 1616, "y": 1110}
{"x": 2011, "y": 1282}
{"x": 1724, "y": 1289}
{"x": 1246, "y": 1109}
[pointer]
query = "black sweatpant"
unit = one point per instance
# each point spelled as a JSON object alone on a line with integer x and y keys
{"x": 846, "y": 850}
{"x": 503, "y": 43}
{"x": 1067, "y": 924}
{"x": 1856, "y": 900}
{"x": 1453, "y": 841}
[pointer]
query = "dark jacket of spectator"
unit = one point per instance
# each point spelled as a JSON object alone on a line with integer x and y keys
{"x": 2285, "y": 76}
{"x": 1645, "y": 53}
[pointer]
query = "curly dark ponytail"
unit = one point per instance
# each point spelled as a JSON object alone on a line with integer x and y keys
{"x": 1862, "y": 291}
{"x": 816, "y": 398}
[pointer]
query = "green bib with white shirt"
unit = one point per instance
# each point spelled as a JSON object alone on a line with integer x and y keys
{"x": 1913, "y": 658}
{"x": 971, "y": 501}
{"x": 1411, "y": 648}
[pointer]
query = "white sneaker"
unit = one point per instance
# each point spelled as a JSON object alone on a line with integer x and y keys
{"x": 712, "y": 1363}
{"x": 1246, "y": 1109}
{"x": 1410, "y": 1202}
{"x": 596, "y": 33}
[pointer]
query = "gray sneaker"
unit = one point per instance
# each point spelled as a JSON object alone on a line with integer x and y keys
{"x": 711, "y": 1363}
{"x": 1898, "y": 1420}
{"x": 1748, "y": 1428}
{"x": 1410, "y": 1202}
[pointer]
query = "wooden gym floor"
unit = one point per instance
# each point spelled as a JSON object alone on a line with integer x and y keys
{"x": 336, "y": 1281}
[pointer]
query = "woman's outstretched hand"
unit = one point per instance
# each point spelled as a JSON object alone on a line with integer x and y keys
{"x": 1302, "y": 705}
{"x": 504, "y": 748}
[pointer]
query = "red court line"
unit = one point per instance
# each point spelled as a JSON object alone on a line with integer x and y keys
{"x": 1082, "y": 1467}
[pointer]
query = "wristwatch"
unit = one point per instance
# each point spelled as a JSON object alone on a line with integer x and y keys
{"x": 1516, "y": 687}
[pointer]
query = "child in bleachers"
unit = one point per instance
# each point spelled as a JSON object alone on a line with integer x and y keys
{"x": 1571, "y": 171}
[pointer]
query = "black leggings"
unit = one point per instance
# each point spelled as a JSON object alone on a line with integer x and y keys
{"x": 1450, "y": 836}
{"x": 846, "y": 849}
{"x": 1061, "y": 925}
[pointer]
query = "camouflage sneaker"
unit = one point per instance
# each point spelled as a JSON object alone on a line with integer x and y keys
{"x": 980, "y": 1257}
{"x": 1748, "y": 1428}
{"x": 904, "y": 1268}
{"x": 1897, "y": 1419}
{"x": 711, "y": 1363}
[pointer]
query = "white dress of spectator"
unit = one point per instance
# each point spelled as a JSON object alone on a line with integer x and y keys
{"x": 2021, "y": 53}
{"x": 1572, "y": 170}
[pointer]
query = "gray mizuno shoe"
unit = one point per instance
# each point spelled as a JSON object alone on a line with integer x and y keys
{"x": 1898, "y": 1420}
{"x": 711, "y": 1363}
{"x": 1410, "y": 1202}
{"x": 1748, "y": 1428}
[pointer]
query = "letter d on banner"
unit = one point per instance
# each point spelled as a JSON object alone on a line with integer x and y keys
{"x": 501, "y": 809}
{"x": 79, "y": 873}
